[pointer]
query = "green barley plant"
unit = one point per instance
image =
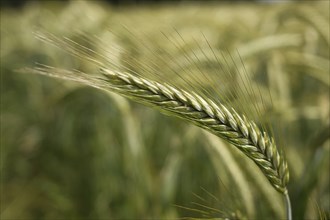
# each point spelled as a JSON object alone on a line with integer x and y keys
{"x": 102, "y": 156}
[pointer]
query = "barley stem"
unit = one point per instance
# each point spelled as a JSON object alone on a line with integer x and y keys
{"x": 288, "y": 206}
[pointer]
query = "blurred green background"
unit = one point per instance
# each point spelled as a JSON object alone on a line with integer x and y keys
{"x": 73, "y": 152}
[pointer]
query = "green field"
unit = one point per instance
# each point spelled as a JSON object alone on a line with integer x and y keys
{"x": 69, "y": 151}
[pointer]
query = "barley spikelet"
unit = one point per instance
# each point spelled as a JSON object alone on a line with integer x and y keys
{"x": 216, "y": 118}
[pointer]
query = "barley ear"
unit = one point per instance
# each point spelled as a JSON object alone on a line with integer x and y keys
{"x": 216, "y": 118}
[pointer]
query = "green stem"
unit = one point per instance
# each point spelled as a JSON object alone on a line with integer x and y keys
{"x": 288, "y": 206}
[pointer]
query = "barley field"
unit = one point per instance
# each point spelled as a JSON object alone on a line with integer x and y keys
{"x": 166, "y": 111}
